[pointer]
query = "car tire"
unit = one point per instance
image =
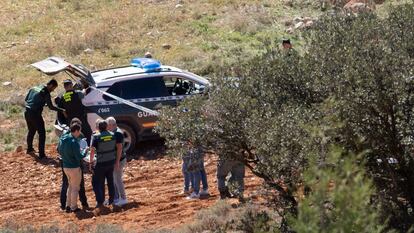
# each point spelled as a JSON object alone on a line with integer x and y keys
{"x": 129, "y": 137}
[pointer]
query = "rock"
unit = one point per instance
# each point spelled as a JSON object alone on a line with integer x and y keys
{"x": 88, "y": 51}
{"x": 290, "y": 30}
{"x": 7, "y": 84}
{"x": 178, "y": 6}
{"x": 359, "y": 6}
{"x": 19, "y": 149}
{"x": 166, "y": 46}
{"x": 307, "y": 19}
{"x": 299, "y": 25}
{"x": 309, "y": 24}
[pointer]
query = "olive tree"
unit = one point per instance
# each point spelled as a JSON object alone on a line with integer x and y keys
{"x": 255, "y": 114}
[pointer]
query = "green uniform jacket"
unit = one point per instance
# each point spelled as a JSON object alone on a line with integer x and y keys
{"x": 69, "y": 150}
{"x": 37, "y": 98}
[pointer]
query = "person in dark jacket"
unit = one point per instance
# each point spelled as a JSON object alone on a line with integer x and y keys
{"x": 104, "y": 144}
{"x": 36, "y": 99}
{"x": 65, "y": 183}
{"x": 71, "y": 101}
{"x": 71, "y": 154}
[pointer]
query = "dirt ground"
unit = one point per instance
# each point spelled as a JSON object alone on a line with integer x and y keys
{"x": 29, "y": 192}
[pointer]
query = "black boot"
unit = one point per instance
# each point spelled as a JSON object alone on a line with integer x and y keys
{"x": 225, "y": 194}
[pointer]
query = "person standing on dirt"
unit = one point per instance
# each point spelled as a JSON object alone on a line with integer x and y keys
{"x": 237, "y": 170}
{"x": 70, "y": 151}
{"x": 71, "y": 101}
{"x": 104, "y": 144}
{"x": 120, "y": 196}
{"x": 65, "y": 183}
{"x": 36, "y": 99}
{"x": 194, "y": 160}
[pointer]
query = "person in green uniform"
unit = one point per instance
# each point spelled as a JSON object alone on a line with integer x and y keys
{"x": 36, "y": 99}
{"x": 71, "y": 101}
{"x": 104, "y": 144}
{"x": 71, "y": 153}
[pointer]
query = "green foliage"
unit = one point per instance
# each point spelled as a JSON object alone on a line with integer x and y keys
{"x": 352, "y": 87}
{"x": 363, "y": 66}
{"x": 340, "y": 200}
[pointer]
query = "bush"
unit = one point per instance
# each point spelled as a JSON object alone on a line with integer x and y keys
{"x": 340, "y": 200}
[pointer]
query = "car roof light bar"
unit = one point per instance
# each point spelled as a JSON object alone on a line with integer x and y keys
{"x": 147, "y": 64}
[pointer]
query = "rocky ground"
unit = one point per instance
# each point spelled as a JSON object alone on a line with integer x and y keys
{"x": 29, "y": 192}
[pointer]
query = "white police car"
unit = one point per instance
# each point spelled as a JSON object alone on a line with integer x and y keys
{"x": 130, "y": 93}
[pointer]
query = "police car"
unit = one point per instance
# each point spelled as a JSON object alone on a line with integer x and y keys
{"x": 131, "y": 93}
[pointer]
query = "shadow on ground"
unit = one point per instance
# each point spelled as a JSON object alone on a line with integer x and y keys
{"x": 149, "y": 150}
{"x": 105, "y": 210}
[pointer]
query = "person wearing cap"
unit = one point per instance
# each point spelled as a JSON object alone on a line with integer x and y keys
{"x": 36, "y": 99}
{"x": 148, "y": 55}
{"x": 104, "y": 145}
{"x": 120, "y": 163}
{"x": 71, "y": 101}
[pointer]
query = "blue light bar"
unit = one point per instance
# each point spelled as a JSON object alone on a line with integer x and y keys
{"x": 148, "y": 64}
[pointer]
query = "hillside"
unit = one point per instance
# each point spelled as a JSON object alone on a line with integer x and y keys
{"x": 191, "y": 34}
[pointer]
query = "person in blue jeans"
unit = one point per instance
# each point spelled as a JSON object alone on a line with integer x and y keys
{"x": 188, "y": 178}
{"x": 194, "y": 172}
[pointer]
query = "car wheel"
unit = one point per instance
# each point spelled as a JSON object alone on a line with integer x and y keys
{"x": 129, "y": 137}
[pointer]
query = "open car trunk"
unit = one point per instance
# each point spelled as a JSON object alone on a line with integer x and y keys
{"x": 55, "y": 65}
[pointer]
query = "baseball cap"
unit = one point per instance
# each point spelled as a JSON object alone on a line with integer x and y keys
{"x": 67, "y": 81}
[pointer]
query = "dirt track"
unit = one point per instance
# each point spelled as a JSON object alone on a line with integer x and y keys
{"x": 30, "y": 190}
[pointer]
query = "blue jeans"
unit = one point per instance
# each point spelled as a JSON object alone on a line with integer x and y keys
{"x": 196, "y": 181}
{"x": 98, "y": 183}
{"x": 199, "y": 176}
{"x": 188, "y": 177}
{"x": 203, "y": 177}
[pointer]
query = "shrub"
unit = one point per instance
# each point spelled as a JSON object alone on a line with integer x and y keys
{"x": 340, "y": 200}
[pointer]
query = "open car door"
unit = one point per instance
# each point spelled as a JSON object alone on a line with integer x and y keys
{"x": 55, "y": 65}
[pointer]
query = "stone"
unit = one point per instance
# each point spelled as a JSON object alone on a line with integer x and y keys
{"x": 309, "y": 24}
{"x": 166, "y": 46}
{"x": 178, "y": 6}
{"x": 307, "y": 19}
{"x": 290, "y": 30}
{"x": 7, "y": 84}
{"x": 88, "y": 51}
{"x": 359, "y": 6}
{"x": 19, "y": 149}
{"x": 299, "y": 25}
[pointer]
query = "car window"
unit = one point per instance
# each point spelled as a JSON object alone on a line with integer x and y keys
{"x": 181, "y": 86}
{"x": 139, "y": 88}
